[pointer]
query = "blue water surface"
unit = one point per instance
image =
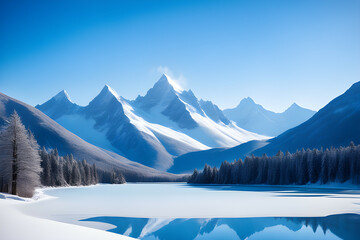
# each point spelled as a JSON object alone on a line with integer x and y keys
{"x": 341, "y": 226}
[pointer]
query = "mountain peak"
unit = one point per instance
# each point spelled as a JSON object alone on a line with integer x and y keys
{"x": 167, "y": 80}
{"x": 58, "y": 105}
{"x": 62, "y": 95}
{"x": 247, "y": 101}
{"x": 107, "y": 90}
{"x": 295, "y": 110}
{"x": 294, "y": 105}
{"x": 106, "y": 96}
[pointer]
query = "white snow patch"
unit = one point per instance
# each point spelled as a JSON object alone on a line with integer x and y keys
{"x": 154, "y": 224}
{"x": 112, "y": 91}
{"x": 145, "y": 126}
{"x": 15, "y": 225}
{"x": 174, "y": 84}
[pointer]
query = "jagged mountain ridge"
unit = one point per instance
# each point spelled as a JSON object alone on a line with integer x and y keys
{"x": 50, "y": 134}
{"x": 254, "y": 117}
{"x": 154, "y": 128}
{"x": 335, "y": 125}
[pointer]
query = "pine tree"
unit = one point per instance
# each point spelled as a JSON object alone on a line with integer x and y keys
{"x": 117, "y": 177}
{"x": 325, "y": 167}
{"x": 86, "y": 177}
{"x": 46, "y": 168}
{"x": 57, "y": 174}
{"x": 193, "y": 177}
{"x": 75, "y": 175}
{"x": 314, "y": 166}
{"x": 67, "y": 168}
{"x": 341, "y": 164}
{"x": 19, "y": 158}
{"x": 95, "y": 174}
{"x": 30, "y": 168}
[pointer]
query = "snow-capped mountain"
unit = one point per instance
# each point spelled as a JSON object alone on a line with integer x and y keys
{"x": 50, "y": 134}
{"x": 59, "y": 105}
{"x": 335, "y": 125}
{"x": 154, "y": 128}
{"x": 182, "y": 111}
{"x": 253, "y": 117}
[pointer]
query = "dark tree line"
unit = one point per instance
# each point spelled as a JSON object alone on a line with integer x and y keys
{"x": 302, "y": 167}
{"x": 63, "y": 171}
{"x": 113, "y": 177}
{"x": 23, "y": 167}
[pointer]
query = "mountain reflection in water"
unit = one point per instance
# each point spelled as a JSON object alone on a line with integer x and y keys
{"x": 341, "y": 226}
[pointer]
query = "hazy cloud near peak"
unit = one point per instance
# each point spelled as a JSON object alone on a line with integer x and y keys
{"x": 179, "y": 79}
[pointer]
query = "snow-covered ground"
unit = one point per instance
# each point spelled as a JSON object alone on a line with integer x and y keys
{"x": 165, "y": 201}
{"x": 16, "y": 225}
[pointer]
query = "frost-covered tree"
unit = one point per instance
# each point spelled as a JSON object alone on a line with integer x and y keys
{"x": 87, "y": 173}
{"x": 64, "y": 171}
{"x": 67, "y": 168}
{"x": 95, "y": 174}
{"x": 19, "y": 158}
{"x": 76, "y": 176}
{"x": 117, "y": 177}
{"x": 23, "y": 166}
{"x": 57, "y": 174}
{"x": 46, "y": 168}
{"x": 29, "y": 169}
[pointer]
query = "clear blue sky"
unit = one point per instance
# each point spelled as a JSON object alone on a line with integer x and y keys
{"x": 277, "y": 52}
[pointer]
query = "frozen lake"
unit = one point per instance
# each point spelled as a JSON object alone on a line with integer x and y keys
{"x": 181, "y": 211}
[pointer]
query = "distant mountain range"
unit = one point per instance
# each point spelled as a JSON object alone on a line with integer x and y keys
{"x": 152, "y": 129}
{"x": 51, "y": 135}
{"x": 171, "y": 129}
{"x": 335, "y": 125}
{"x": 253, "y": 117}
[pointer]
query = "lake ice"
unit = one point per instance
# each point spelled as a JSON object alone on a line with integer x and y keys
{"x": 168, "y": 210}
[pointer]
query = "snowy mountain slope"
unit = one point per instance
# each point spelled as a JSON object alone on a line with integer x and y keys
{"x": 51, "y": 135}
{"x": 182, "y": 111}
{"x": 253, "y": 117}
{"x": 213, "y": 112}
{"x": 152, "y": 129}
{"x": 109, "y": 122}
{"x": 336, "y": 124}
{"x": 113, "y": 117}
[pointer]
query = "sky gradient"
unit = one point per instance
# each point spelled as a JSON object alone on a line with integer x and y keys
{"x": 277, "y": 52}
